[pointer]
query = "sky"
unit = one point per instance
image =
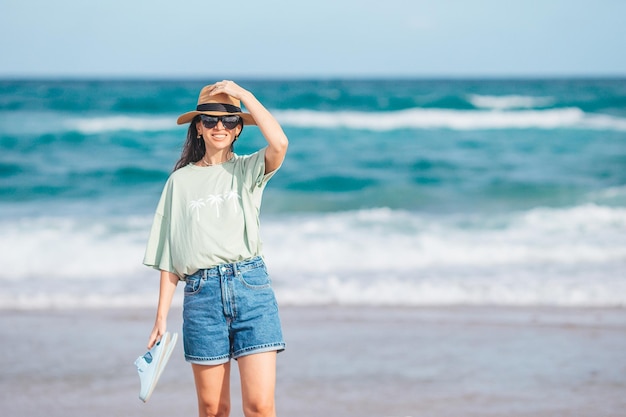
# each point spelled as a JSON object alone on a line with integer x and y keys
{"x": 319, "y": 38}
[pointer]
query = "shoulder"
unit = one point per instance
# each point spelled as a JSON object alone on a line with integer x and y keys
{"x": 179, "y": 178}
{"x": 182, "y": 173}
{"x": 250, "y": 159}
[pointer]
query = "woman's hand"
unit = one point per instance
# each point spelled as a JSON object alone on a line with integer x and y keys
{"x": 270, "y": 128}
{"x": 160, "y": 327}
{"x": 229, "y": 87}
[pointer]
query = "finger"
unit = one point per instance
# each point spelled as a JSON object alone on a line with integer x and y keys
{"x": 224, "y": 84}
{"x": 154, "y": 337}
{"x": 221, "y": 84}
{"x": 215, "y": 89}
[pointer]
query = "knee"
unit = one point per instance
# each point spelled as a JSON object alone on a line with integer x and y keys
{"x": 214, "y": 410}
{"x": 259, "y": 409}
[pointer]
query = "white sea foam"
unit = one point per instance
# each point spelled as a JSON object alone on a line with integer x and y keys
{"x": 559, "y": 257}
{"x": 374, "y": 239}
{"x": 417, "y": 118}
{"x": 11, "y": 122}
{"x": 71, "y": 249}
{"x": 509, "y": 101}
{"x": 566, "y": 257}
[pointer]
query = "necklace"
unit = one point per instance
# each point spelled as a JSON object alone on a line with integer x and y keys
{"x": 208, "y": 164}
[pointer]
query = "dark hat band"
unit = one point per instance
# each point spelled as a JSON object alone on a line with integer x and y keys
{"x": 228, "y": 108}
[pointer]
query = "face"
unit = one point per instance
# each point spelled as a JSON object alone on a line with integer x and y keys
{"x": 217, "y": 137}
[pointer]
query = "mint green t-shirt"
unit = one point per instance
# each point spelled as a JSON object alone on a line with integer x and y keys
{"x": 208, "y": 216}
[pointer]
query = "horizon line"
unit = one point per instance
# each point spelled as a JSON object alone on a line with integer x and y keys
{"x": 310, "y": 77}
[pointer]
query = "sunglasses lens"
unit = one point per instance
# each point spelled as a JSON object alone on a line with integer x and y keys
{"x": 230, "y": 122}
{"x": 209, "y": 122}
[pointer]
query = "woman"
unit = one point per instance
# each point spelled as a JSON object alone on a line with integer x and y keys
{"x": 206, "y": 232}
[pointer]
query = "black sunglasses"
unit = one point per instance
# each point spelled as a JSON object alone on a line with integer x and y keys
{"x": 229, "y": 122}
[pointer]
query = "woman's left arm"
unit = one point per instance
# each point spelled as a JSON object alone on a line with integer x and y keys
{"x": 270, "y": 128}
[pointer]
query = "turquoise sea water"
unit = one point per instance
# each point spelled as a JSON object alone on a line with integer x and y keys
{"x": 394, "y": 192}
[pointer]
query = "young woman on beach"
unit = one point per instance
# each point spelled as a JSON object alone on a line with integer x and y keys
{"x": 206, "y": 232}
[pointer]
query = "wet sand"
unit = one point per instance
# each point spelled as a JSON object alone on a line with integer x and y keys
{"x": 340, "y": 361}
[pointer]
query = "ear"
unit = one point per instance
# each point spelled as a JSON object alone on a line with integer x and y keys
{"x": 198, "y": 126}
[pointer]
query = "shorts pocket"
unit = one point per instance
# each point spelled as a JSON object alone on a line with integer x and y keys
{"x": 192, "y": 285}
{"x": 256, "y": 279}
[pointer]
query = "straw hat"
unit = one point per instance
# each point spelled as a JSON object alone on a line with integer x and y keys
{"x": 216, "y": 105}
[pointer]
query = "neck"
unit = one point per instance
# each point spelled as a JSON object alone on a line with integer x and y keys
{"x": 217, "y": 158}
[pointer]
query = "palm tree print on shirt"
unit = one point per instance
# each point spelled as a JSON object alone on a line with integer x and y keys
{"x": 234, "y": 197}
{"x": 196, "y": 205}
{"x": 216, "y": 201}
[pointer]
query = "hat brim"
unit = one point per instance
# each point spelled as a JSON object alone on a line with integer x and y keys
{"x": 188, "y": 117}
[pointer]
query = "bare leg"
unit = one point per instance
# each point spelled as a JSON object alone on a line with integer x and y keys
{"x": 258, "y": 382}
{"x": 213, "y": 389}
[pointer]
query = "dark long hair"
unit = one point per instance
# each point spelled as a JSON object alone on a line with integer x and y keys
{"x": 194, "y": 149}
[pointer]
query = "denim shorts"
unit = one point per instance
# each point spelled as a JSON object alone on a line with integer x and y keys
{"x": 230, "y": 311}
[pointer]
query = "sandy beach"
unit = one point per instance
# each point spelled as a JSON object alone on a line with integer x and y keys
{"x": 340, "y": 361}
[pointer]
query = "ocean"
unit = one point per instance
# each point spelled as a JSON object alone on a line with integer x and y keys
{"x": 394, "y": 193}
